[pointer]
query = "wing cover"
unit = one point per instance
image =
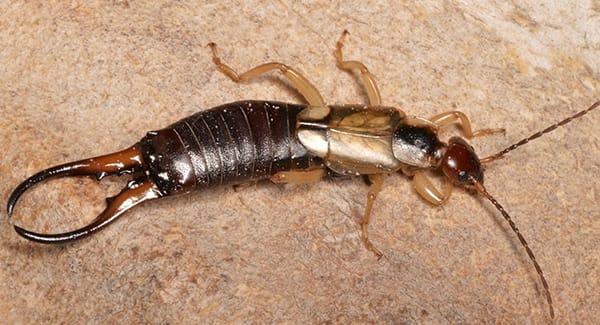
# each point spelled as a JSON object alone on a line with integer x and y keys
{"x": 351, "y": 139}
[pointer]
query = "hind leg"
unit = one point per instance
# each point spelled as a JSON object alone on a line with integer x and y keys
{"x": 298, "y": 176}
{"x": 367, "y": 78}
{"x": 306, "y": 89}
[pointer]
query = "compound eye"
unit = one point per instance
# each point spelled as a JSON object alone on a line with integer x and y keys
{"x": 463, "y": 176}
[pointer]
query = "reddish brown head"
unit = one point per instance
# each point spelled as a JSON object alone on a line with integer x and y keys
{"x": 461, "y": 164}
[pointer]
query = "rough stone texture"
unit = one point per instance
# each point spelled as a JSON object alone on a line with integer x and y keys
{"x": 78, "y": 79}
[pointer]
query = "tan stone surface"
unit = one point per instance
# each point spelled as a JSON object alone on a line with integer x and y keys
{"x": 78, "y": 79}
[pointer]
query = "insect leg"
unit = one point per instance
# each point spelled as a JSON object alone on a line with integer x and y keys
{"x": 444, "y": 119}
{"x": 306, "y": 89}
{"x": 367, "y": 78}
{"x": 430, "y": 192}
{"x": 376, "y": 185}
{"x": 298, "y": 176}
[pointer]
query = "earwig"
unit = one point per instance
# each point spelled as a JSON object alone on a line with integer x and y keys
{"x": 291, "y": 143}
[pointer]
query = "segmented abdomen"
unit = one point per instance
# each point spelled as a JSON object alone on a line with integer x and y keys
{"x": 242, "y": 141}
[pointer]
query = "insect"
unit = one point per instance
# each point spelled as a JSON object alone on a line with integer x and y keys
{"x": 291, "y": 143}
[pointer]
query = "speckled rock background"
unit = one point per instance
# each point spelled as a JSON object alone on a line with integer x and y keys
{"x": 83, "y": 78}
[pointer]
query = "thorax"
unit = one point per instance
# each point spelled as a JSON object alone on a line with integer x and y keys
{"x": 354, "y": 139}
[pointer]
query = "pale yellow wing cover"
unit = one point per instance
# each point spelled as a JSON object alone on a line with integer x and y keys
{"x": 351, "y": 139}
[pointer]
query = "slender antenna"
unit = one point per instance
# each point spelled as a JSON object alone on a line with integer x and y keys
{"x": 539, "y": 134}
{"x": 512, "y": 224}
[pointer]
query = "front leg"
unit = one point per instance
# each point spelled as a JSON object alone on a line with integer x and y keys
{"x": 444, "y": 119}
{"x": 430, "y": 192}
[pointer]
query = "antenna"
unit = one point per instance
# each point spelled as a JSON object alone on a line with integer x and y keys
{"x": 513, "y": 226}
{"x": 539, "y": 134}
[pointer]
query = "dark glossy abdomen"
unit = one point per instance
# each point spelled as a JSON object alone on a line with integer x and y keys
{"x": 229, "y": 144}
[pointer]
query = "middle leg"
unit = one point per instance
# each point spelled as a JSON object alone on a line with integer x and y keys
{"x": 376, "y": 185}
{"x": 367, "y": 78}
